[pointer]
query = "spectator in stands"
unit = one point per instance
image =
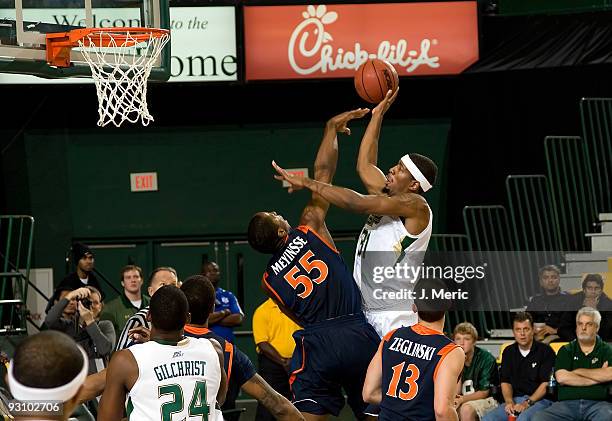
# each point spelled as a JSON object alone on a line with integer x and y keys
{"x": 592, "y": 295}
{"x": 525, "y": 370}
{"x": 48, "y": 366}
{"x": 96, "y": 337}
{"x": 584, "y": 373}
{"x": 59, "y": 293}
{"x": 228, "y": 313}
{"x": 547, "y": 307}
{"x": 479, "y": 377}
{"x": 83, "y": 258}
{"x": 164, "y": 275}
{"x": 121, "y": 308}
{"x": 273, "y": 335}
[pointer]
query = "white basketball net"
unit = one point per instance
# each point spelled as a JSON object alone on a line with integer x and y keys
{"x": 120, "y": 70}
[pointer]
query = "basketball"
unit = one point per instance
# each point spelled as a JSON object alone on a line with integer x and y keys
{"x": 374, "y": 78}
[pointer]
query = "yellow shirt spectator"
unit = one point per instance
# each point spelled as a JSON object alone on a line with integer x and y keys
{"x": 272, "y": 326}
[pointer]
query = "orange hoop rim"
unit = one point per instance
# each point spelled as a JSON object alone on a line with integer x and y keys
{"x": 59, "y": 44}
{"x": 116, "y": 33}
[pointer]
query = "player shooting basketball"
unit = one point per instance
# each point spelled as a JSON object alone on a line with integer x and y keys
{"x": 400, "y": 221}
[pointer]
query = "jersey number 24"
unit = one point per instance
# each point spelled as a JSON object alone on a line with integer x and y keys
{"x": 308, "y": 264}
{"x": 197, "y": 406}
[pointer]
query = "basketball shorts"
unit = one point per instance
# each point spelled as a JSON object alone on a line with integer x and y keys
{"x": 330, "y": 356}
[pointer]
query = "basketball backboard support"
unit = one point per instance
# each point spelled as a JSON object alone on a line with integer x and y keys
{"x": 24, "y": 25}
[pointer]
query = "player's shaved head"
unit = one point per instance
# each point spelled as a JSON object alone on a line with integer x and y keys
{"x": 46, "y": 360}
{"x": 169, "y": 310}
{"x": 200, "y": 295}
{"x": 263, "y": 233}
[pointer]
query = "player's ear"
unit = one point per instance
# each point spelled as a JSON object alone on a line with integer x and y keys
{"x": 188, "y": 318}
{"x": 282, "y": 232}
{"x": 414, "y": 308}
{"x": 148, "y": 316}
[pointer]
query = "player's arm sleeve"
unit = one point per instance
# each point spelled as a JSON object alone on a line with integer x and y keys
{"x": 243, "y": 369}
{"x": 261, "y": 322}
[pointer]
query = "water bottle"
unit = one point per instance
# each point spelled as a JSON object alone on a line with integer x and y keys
{"x": 551, "y": 388}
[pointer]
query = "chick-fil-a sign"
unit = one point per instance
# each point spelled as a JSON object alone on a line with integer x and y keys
{"x": 317, "y": 41}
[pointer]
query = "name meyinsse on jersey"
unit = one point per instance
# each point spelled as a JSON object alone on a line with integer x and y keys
{"x": 179, "y": 369}
{"x": 292, "y": 250}
{"x": 407, "y": 347}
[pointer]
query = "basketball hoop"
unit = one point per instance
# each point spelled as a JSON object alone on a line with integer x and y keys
{"x": 121, "y": 60}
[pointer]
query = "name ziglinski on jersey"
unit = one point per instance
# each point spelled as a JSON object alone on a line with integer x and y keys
{"x": 179, "y": 369}
{"x": 373, "y": 220}
{"x": 412, "y": 349}
{"x": 292, "y": 250}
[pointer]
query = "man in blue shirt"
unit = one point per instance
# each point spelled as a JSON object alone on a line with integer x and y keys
{"x": 228, "y": 313}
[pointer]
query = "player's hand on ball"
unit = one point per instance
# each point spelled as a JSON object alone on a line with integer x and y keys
{"x": 384, "y": 105}
{"x": 296, "y": 182}
{"x": 339, "y": 122}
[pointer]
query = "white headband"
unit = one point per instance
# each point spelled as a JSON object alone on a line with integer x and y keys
{"x": 416, "y": 173}
{"x": 61, "y": 393}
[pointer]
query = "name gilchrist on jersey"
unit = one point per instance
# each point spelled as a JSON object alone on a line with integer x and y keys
{"x": 179, "y": 369}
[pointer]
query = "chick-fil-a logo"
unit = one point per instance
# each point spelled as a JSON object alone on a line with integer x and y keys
{"x": 311, "y": 42}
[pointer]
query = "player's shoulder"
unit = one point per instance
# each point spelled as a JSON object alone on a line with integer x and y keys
{"x": 414, "y": 200}
{"x": 125, "y": 358}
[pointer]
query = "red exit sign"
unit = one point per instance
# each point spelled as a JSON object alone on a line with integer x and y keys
{"x": 143, "y": 181}
{"x": 303, "y": 172}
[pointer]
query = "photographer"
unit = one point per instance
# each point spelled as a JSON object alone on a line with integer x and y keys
{"x": 96, "y": 337}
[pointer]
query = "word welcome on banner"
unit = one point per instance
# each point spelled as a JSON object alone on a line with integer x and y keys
{"x": 330, "y": 41}
{"x": 202, "y": 40}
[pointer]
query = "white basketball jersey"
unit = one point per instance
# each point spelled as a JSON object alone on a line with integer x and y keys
{"x": 385, "y": 242}
{"x": 175, "y": 382}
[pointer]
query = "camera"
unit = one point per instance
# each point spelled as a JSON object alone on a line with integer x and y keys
{"x": 86, "y": 302}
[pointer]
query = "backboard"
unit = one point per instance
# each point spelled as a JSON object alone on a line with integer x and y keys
{"x": 25, "y": 23}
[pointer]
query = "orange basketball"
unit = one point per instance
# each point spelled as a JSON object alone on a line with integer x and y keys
{"x": 374, "y": 78}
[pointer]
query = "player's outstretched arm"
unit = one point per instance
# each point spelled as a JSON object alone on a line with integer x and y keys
{"x": 280, "y": 408}
{"x": 367, "y": 162}
{"x": 325, "y": 168}
{"x": 372, "y": 387}
{"x": 408, "y": 205}
{"x": 122, "y": 372}
{"x": 445, "y": 385}
{"x": 93, "y": 386}
{"x": 223, "y": 385}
